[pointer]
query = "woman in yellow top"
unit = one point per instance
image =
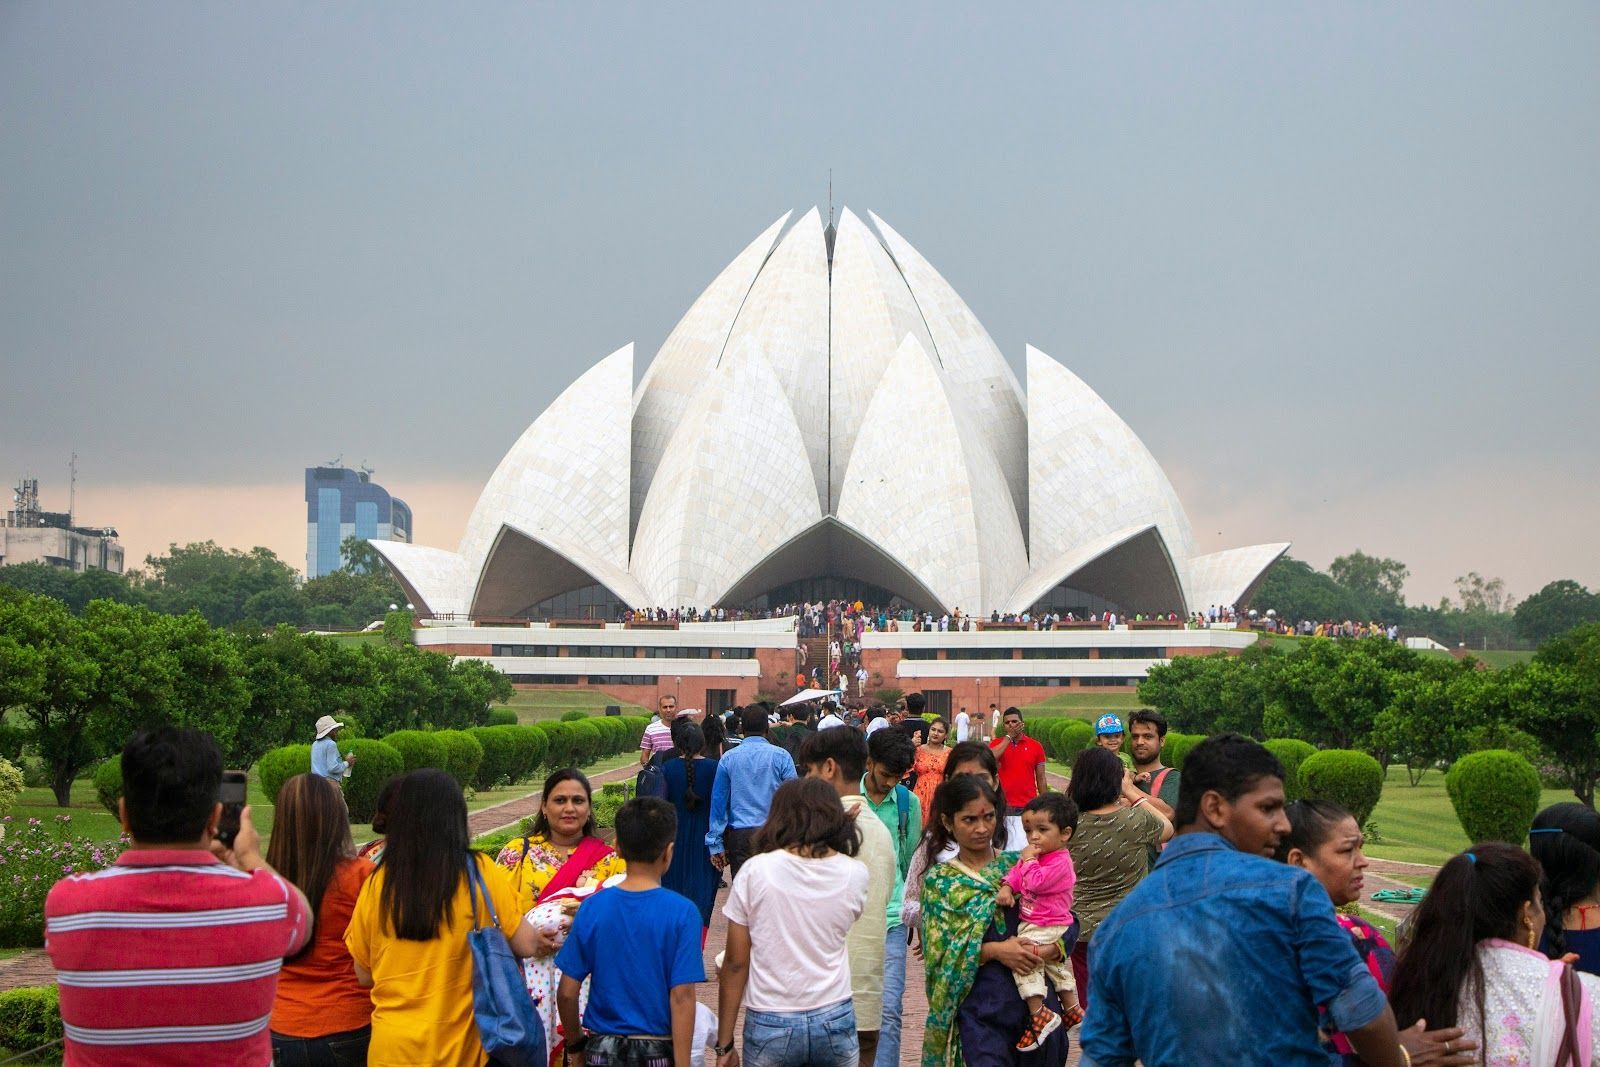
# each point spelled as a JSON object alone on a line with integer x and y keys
{"x": 408, "y": 933}
{"x": 562, "y": 853}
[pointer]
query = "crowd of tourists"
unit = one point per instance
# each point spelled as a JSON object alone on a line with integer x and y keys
{"x": 1155, "y": 916}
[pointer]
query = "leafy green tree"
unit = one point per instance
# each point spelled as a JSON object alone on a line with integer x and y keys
{"x": 1296, "y": 590}
{"x": 1555, "y": 609}
{"x": 1331, "y": 692}
{"x": 1371, "y": 575}
{"x": 1428, "y": 719}
{"x": 1556, "y": 698}
{"x": 214, "y": 581}
{"x": 1480, "y": 594}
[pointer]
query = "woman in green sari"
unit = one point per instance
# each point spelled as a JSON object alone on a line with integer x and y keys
{"x": 970, "y": 947}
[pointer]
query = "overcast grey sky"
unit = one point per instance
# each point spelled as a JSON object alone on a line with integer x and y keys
{"x": 1338, "y": 265}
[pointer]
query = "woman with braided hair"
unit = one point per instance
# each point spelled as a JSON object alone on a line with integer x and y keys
{"x": 1565, "y": 839}
{"x": 689, "y": 775}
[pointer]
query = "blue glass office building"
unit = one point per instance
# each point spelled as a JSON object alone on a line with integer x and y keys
{"x": 341, "y": 503}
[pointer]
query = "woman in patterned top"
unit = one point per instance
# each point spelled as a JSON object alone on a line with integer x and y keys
{"x": 561, "y": 855}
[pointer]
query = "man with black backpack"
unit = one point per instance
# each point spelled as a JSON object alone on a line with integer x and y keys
{"x": 890, "y": 754}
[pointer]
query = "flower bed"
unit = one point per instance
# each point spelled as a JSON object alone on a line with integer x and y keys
{"x": 34, "y": 855}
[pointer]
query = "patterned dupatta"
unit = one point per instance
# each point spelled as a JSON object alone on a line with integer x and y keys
{"x": 959, "y": 905}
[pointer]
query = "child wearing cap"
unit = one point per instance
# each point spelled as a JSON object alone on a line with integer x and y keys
{"x": 1108, "y": 734}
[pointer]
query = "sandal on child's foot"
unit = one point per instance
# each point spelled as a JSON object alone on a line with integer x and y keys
{"x": 1041, "y": 1026}
{"x": 1071, "y": 1015}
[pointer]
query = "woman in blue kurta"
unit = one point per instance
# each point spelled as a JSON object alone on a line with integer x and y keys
{"x": 689, "y": 776}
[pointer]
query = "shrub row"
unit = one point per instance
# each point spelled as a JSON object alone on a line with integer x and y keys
{"x": 482, "y": 757}
{"x": 29, "y": 1017}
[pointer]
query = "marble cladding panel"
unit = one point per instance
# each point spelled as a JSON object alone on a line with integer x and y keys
{"x": 1223, "y": 578}
{"x": 437, "y": 579}
{"x": 871, "y": 314}
{"x": 1089, "y": 475}
{"x": 785, "y": 318}
{"x": 565, "y": 482}
{"x": 983, "y": 381}
{"x": 733, "y": 487}
{"x": 687, "y": 355}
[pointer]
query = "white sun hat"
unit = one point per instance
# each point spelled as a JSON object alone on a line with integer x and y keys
{"x": 327, "y": 725}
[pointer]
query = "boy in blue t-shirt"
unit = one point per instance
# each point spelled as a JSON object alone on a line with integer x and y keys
{"x": 639, "y": 946}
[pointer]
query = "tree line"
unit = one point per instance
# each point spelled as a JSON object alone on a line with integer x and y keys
{"x": 74, "y": 686}
{"x": 253, "y": 589}
{"x": 1422, "y": 710}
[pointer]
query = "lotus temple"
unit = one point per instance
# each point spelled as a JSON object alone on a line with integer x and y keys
{"x": 829, "y": 419}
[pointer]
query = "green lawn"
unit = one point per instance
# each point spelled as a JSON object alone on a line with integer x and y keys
{"x": 532, "y": 705}
{"x": 1089, "y": 705}
{"x": 1417, "y": 823}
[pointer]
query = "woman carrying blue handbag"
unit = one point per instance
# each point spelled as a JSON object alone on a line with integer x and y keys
{"x": 445, "y": 990}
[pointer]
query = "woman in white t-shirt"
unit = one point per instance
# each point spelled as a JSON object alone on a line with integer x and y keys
{"x": 789, "y": 913}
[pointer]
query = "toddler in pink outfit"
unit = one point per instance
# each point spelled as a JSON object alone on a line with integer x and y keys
{"x": 1043, "y": 879}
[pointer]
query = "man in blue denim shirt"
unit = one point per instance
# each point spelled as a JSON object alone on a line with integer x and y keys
{"x": 742, "y": 792}
{"x": 1222, "y": 956}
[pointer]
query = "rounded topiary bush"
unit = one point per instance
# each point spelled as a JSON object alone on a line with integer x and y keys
{"x": 1044, "y": 730}
{"x": 375, "y": 764}
{"x": 108, "y": 783}
{"x": 574, "y": 716}
{"x": 12, "y": 783}
{"x": 564, "y": 750}
{"x": 499, "y": 756}
{"x": 419, "y": 749}
{"x": 1071, "y": 738}
{"x": 636, "y": 725}
{"x": 1291, "y": 752}
{"x": 29, "y": 1017}
{"x": 613, "y": 735}
{"x": 501, "y": 717}
{"x": 587, "y": 741}
{"x": 279, "y": 765}
{"x": 532, "y": 756}
{"x": 1346, "y": 777}
{"x": 462, "y": 754}
{"x": 1495, "y": 794}
{"x": 1176, "y": 748}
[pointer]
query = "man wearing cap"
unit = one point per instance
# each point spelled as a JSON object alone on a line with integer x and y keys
{"x": 1108, "y": 734}
{"x": 325, "y": 758}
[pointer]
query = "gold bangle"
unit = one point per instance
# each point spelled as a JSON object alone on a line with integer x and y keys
{"x": 1406, "y": 1054}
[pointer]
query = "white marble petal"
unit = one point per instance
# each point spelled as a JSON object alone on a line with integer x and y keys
{"x": 688, "y": 353}
{"x": 982, "y": 380}
{"x": 1227, "y": 578}
{"x": 871, "y": 312}
{"x": 925, "y": 487}
{"x": 733, "y": 486}
{"x": 436, "y": 580}
{"x": 566, "y": 481}
{"x": 786, "y": 315}
{"x": 1089, "y": 475}
{"x": 1130, "y": 566}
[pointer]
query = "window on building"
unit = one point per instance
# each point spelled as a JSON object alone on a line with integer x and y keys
{"x": 978, "y": 653}
{"x": 622, "y": 679}
{"x": 543, "y": 679}
{"x": 1055, "y": 653}
{"x": 1041, "y": 682}
{"x": 938, "y": 702}
{"x": 524, "y": 650}
{"x": 720, "y": 701}
{"x": 919, "y": 653}
{"x": 1133, "y": 653}
{"x": 1109, "y": 681}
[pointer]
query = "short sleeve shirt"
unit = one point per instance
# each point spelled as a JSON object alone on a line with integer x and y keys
{"x": 1109, "y": 855}
{"x": 1017, "y": 779}
{"x": 633, "y": 948}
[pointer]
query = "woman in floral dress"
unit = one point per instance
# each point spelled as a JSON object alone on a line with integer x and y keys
{"x": 929, "y": 765}
{"x": 553, "y": 868}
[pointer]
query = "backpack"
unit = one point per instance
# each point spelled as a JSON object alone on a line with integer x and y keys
{"x": 651, "y": 781}
{"x": 902, "y": 803}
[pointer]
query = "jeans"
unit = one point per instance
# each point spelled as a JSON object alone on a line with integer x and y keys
{"x": 347, "y": 1049}
{"x": 894, "y": 991}
{"x": 736, "y": 845}
{"x": 822, "y": 1037}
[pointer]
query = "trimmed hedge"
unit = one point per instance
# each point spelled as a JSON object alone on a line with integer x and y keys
{"x": 1175, "y": 749}
{"x": 1071, "y": 736}
{"x": 528, "y": 749}
{"x": 1291, "y": 752}
{"x": 419, "y": 749}
{"x": 375, "y": 764}
{"x": 1346, "y": 777}
{"x": 574, "y": 716}
{"x": 636, "y": 725}
{"x": 564, "y": 750}
{"x": 1495, "y": 794}
{"x": 588, "y": 740}
{"x": 29, "y": 1017}
{"x": 501, "y": 717}
{"x": 281, "y": 764}
{"x": 499, "y": 755}
{"x": 108, "y": 783}
{"x": 462, "y": 755}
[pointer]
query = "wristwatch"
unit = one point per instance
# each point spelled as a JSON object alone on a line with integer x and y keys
{"x": 722, "y": 1050}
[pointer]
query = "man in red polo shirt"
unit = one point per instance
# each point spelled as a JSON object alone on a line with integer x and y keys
{"x": 171, "y": 956}
{"x": 1021, "y": 761}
